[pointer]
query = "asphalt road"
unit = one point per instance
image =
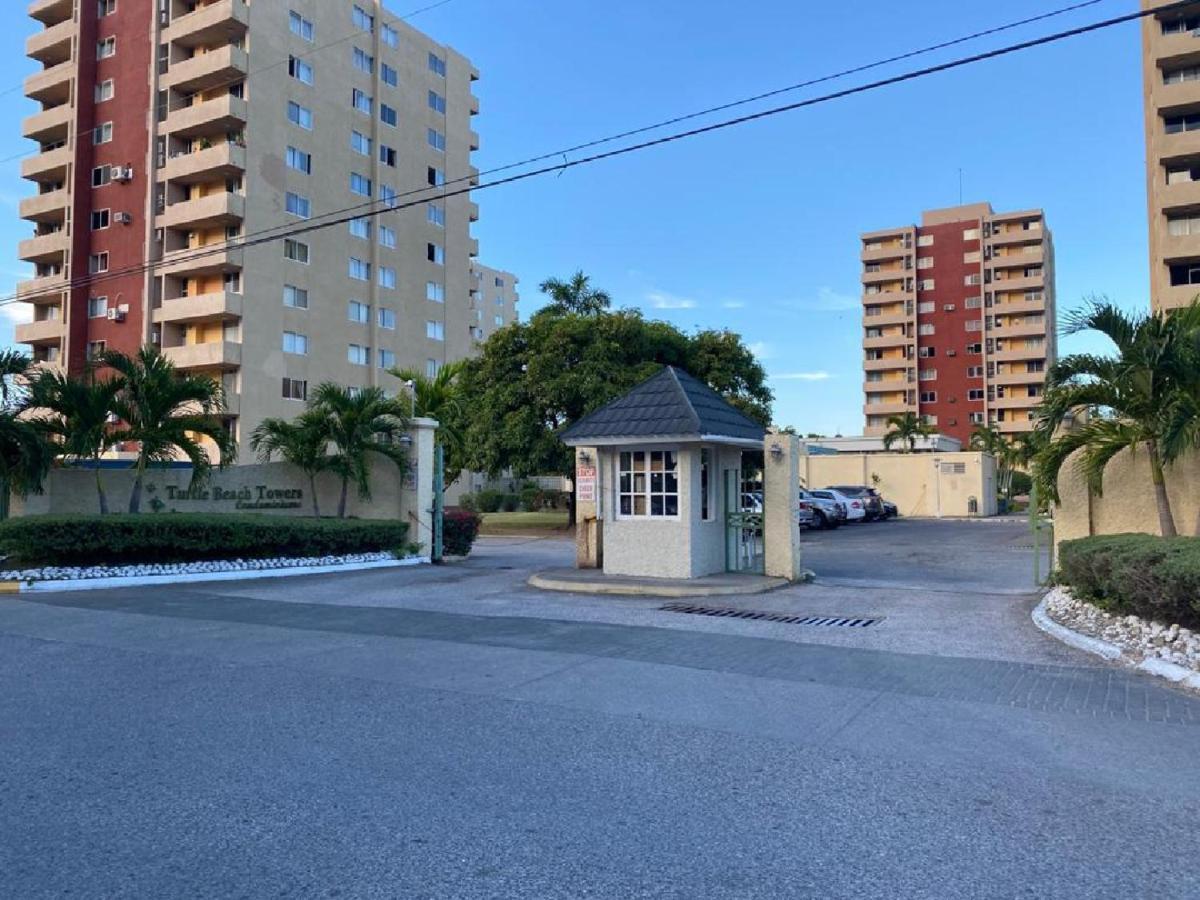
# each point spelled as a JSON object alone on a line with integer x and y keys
{"x": 413, "y": 735}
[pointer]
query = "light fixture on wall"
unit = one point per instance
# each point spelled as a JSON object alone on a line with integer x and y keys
{"x": 585, "y": 457}
{"x": 776, "y": 452}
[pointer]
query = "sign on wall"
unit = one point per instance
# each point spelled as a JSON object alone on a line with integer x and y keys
{"x": 585, "y": 484}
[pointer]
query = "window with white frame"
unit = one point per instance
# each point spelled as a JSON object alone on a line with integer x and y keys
{"x": 294, "y": 297}
{"x": 388, "y": 115}
{"x": 360, "y": 184}
{"x": 97, "y": 307}
{"x": 300, "y": 70}
{"x": 359, "y": 355}
{"x": 359, "y": 269}
{"x": 295, "y": 250}
{"x": 435, "y": 291}
{"x": 102, "y": 133}
{"x": 435, "y": 331}
{"x": 362, "y": 20}
{"x": 437, "y": 103}
{"x": 437, "y": 65}
{"x": 300, "y": 115}
{"x": 925, "y": 240}
{"x": 388, "y": 75}
{"x": 436, "y": 215}
{"x": 359, "y": 312}
{"x": 432, "y": 367}
{"x": 294, "y": 343}
{"x": 362, "y": 101}
{"x": 105, "y": 90}
{"x": 436, "y": 140}
{"x": 364, "y": 61}
{"x": 387, "y": 277}
{"x": 435, "y": 253}
{"x": 100, "y": 219}
{"x": 300, "y": 26}
{"x": 389, "y": 36}
{"x": 299, "y": 160}
{"x": 295, "y": 389}
{"x": 386, "y": 359}
{"x": 361, "y": 228}
{"x": 106, "y": 48}
{"x": 98, "y": 262}
{"x": 387, "y": 237}
{"x": 105, "y": 8}
{"x": 298, "y": 205}
{"x": 387, "y": 318}
{"x": 648, "y": 484}
{"x": 360, "y": 143}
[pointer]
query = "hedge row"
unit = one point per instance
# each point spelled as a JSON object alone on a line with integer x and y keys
{"x": 170, "y": 538}
{"x": 460, "y": 527}
{"x": 1139, "y": 574}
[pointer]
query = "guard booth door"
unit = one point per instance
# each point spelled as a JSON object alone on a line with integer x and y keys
{"x": 744, "y": 516}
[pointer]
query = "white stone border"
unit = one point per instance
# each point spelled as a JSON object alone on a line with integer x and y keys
{"x": 96, "y": 584}
{"x": 1160, "y": 668}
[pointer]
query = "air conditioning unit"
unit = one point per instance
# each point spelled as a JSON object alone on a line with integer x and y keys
{"x": 160, "y": 235}
{"x": 156, "y": 338}
{"x": 121, "y": 173}
{"x": 116, "y": 315}
{"x": 952, "y": 353}
{"x": 123, "y": 218}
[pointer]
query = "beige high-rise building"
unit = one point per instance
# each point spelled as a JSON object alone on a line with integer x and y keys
{"x": 170, "y": 127}
{"x": 959, "y": 320}
{"x": 1171, "y": 74}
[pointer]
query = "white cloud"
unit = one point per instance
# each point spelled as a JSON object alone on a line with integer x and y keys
{"x": 802, "y": 376}
{"x": 663, "y": 300}
{"x": 762, "y": 350}
{"x": 17, "y": 313}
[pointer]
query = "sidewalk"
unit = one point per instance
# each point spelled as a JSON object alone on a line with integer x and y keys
{"x": 593, "y": 581}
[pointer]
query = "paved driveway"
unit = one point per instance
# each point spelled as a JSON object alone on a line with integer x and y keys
{"x": 447, "y": 733}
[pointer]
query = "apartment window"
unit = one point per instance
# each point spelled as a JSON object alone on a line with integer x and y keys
{"x": 359, "y": 312}
{"x": 387, "y": 155}
{"x": 924, "y": 262}
{"x": 360, "y": 143}
{"x": 387, "y": 195}
{"x": 387, "y": 318}
{"x": 1181, "y": 24}
{"x": 928, "y": 375}
{"x": 360, "y": 228}
{"x": 975, "y": 371}
{"x": 1182, "y": 174}
{"x": 974, "y": 325}
{"x": 360, "y": 184}
{"x": 389, "y": 36}
{"x": 435, "y": 253}
{"x": 976, "y": 418}
{"x": 388, "y": 75}
{"x": 435, "y": 177}
{"x": 364, "y": 61}
{"x": 975, "y": 394}
{"x": 295, "y": 250}
{"x": 435, "y": 291}
{"x": 499, "y": 320}
{"x": 95, "y": 349}
{"x": 1187, "y": 273}
{"x": 386, "y": 359}
{"x": 926, "y": 352}
{"x": 299, "y": 115}
{"x": 362, "y": 101}
{"x": 294, "y": 297}
{"x": 648, "y": 484}
{"x": 97, "y": 307}
{"x": 437, "y": 65}
{"x": 363, "y": 20}
{"x": 1178, "y": 124}
{"x": 98, "y": 262}
{"x": 1178, "y": 76}
{"x": 387, "y": 277}
{"x": 105, "y": 8}
{"x": 929, "y": 396}
{"x": 926, "y": 329}
{"x": 975, "y": 349}
{"x": 948, "y": 307}
{"x": 387, "y": 115}
{"x": 106, "y": 48}
{"x": 387, "y": 237}
{"x": 359, "y": 355}
{"x": 1034, "y": 366}
{"x": 972, "y": 280}
{"x": 1181, "y": 225}
{"x": 299, "y": 160}
{"x": 102, "y": 133}
{"x": 432, "y": 367}
{"x": 499, "y": 300}
{"x": 300, "y": 26}
{"x": 105, "y": 90}
{"x": 295, "y": 389}
{"x": 100, "y": 219}
{"x": 926, "y": 284}
{"x": 300, "y": 70}
{"x": 971, "y": 234}
{"x": 925, "y": 240}
{"x": 435, "y": 331}
{"x": 974, "y": 303}
{"x": 359, "y": 269}
{"x": 298, "y": 205}
{"x": 926, "y": 306}
{"x": 296, "y": 344}
{"x": 437, "y": 102}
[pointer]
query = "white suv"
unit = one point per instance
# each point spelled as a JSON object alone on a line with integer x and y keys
{"x": 855, "y": 511}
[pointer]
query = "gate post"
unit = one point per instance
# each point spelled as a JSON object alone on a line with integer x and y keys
{"x": 781, "y": 506}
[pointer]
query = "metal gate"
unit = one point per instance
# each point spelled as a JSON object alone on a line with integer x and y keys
{"x": 744, "y": 517}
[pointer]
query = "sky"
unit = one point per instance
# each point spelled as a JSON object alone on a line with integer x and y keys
{"x": 755, "y": 228}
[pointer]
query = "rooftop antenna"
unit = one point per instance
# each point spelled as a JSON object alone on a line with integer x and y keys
{"x": 960, "y": 191}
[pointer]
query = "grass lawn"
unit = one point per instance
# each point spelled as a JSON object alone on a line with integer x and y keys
{"x": 512, "y": 522}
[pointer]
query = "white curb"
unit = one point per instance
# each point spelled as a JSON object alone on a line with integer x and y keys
{"x": 1159, "y": 668}
{"x": 96, "y": 584}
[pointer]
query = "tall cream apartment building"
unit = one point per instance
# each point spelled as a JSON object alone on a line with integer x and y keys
{"x": 958, "y": 320}
{"x": 169, "y": 128}
{"x": 1171, "y": 74}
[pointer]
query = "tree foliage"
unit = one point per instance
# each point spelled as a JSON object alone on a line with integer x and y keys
{"x": 575, "y": 295}
{"x": 441, "y": 398}
{"x": 905, "y": 430}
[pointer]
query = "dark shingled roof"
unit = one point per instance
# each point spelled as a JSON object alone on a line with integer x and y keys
{"x": 670, "y": 404}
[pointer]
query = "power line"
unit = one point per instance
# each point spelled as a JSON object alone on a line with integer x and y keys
{"x": 308, "y": 227}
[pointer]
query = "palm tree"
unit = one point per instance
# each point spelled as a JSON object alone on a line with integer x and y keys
{"x": 76, "y": 415}
{"x": 166, "y": 412}
{"x": 440, "y": 398}
{"x": 574, "y": 296}
{"x": 906, "y": 429}
{"x": 989, "y": 439}
{"x": 359, "y": 423}
{"x": 1144, "y": 398}
{"x": 303, "y": 442}
{"x": 25, "y": 457}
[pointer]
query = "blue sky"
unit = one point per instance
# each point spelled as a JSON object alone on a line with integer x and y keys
{"x": 755, "y": 228}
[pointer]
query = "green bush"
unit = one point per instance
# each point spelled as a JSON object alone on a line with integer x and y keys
{"x": 174, "y": 537}
{"x": 531, "y": 498}
{"x": 1140, "y": 574}
{"x": 468, "y": 502}
{"x": 510, "y": 502}
{"x": 489, "y": 501}
{"x": 460, "y": 527}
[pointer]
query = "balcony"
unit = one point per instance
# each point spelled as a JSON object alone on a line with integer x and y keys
{"x": 222, "y": 115}
{"x": 1021, "y": 426}
{"x": 473, "y": 212}
{"x": 1019, "y": 377}
{"x": 42, "y": 290}
{"x": 1178, "y": 146}
{"x": 208, "y": 25}
{"x": 1032, "y": 283}
{"x": 1181, "y": 196}
{"x": 215, "y": 210}
{"x": 885, "y": 341}
{"x": 884, "y": 365}
{"x": 1181, "y": 97}
{"x": 1019, "y": 400}
{"x": 208, "y": 70}
{"x": 223, "y": 355}
{"x": 1174, "y": 48}
{"x": 1014, "y": 354}
{"x": 52, "y": 85}
{"x": 890, "y": 317}
{"x": 891, "y": 408}
{"x": 50, "y": 125}
{"x": 46, "y": 331}
{"x": 48, "y": 207}
{"x": 879, "y": 254}
{"x": 1034, "y": 255}
{"x": 887, "y": 386}
{"x": 44, "y": 247}
{"x": 51, "y": 12}
{"x": 216, "y": 163}
{"x": 1020, "y": 305}
{"x": 52, "y": 45}
{"x": 1176, "y": 296}
{"x": 48, "y": 166}
{"x": 883, "y": 276}
{"x": 206, "y": 307}
{"x": 197, "y": 261}
{"x": 1019, "y": 330}
{"x": 473, "y": 247}
{"x": 1016, "y": 236}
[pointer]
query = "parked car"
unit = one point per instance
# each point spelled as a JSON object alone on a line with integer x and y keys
{"x": 872, "y": 502}
{"x": 827, "y": 513}
{"x": 808, "y": 514}
{"x": 855, "y": 508}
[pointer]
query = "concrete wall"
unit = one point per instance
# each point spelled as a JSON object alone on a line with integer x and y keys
{"x": 920, "y": 484}
{"x": 277, "y": 489}
{"x": 1127, "y": 504}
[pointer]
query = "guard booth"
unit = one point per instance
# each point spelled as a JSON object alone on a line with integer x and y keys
{"x": 670, "y": 484}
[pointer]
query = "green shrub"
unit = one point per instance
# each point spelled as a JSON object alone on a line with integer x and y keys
{"x": 468, "y": 502}
{"x": 460, "y": 527}
{"x": 489, "y": 501}
{"x": 1140, "y": 574}
{"x": 531, "y": 498}
{"x": 168, "y": 538}
{"x": 510, "y": 502}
